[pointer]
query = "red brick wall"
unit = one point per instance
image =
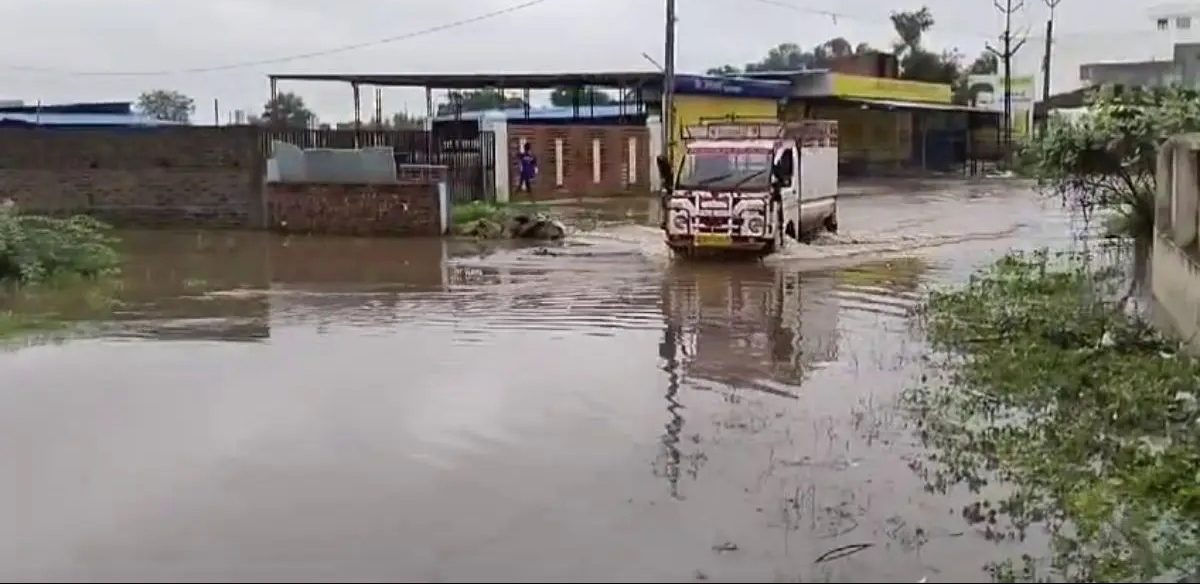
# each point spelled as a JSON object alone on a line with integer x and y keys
{"x": 577, "y": 159}
{"x": 389, "y": 209}
{"x": 172, "y": 176}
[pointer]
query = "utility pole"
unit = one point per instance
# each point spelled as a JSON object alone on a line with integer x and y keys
{"x": 1052, "y": 4}
{"x": 668, "y": 101}
{"x": 1008, "y": 8}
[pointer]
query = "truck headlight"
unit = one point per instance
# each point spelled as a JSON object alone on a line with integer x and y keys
{"x": 755, "y": 225}
{"x": 680, "y": 222}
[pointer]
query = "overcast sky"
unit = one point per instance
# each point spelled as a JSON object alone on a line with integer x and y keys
{"x": 68, "y": 37}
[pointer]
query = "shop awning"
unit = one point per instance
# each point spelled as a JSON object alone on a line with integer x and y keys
{"x": 917, "y": 105}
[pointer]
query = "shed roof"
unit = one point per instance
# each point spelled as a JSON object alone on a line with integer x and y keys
{"x": 478, "y": 80}
{"x": 91, "y": 120}
{"x": 551, "y": 113}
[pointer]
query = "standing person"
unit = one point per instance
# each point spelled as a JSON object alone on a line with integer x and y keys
{"x": 529, "y": 168}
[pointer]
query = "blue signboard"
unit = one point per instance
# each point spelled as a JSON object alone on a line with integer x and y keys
{"x": 730, "y": 87}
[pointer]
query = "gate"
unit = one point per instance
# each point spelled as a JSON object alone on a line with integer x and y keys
{"x": 469, "y": 156}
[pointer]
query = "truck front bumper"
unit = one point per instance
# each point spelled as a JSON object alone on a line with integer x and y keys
{"x": 729, "y": 243}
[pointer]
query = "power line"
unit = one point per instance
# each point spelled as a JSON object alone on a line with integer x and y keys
{"x": 835, "y": 15}
{"x": 288, "y": 58}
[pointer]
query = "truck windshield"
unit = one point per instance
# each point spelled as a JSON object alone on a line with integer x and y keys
{"x": 717, "y": 169}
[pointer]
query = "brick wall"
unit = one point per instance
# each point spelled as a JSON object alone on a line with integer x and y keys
{"x": 578, "y": 178}
{"x": 165, "y": 176}
{"x": 342, "y": 209}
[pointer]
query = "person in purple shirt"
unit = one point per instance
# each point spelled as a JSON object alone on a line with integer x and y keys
{"x": 529, "y": 168}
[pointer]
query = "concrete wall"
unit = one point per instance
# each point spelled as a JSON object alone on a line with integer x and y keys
{"x": 583, "y": 160}
{"x": 1175, "y": 263}
{"x": 189, "y": 176}
{"x": 290, "y": 163}
{"x": 345, "y": 209}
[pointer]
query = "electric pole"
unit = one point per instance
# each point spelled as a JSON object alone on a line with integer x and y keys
{"x": 1008, "y": 8}
{"x": 1052, "y": 4}
{"x": 668, "y": 101}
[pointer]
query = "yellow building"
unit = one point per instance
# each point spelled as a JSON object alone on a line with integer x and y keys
{"x": 887, "y": 124}
{"x": 699, "y": 98}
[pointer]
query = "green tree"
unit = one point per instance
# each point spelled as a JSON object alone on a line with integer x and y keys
{"x": 1107, "y": 160}
{"x": 481, "y": 100}
{"x": 168, "y": 105}
{"x": 564, "y": 97}
{"x": 917, "y": 63}
{"x": 287, "y": 110}
{"x": 791, "y": 57}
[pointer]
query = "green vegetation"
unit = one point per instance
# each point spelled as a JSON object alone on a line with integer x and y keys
{"x": 1048, "y": 384}
{"x": 35, "y": 249}
{"x": 38, "y": 253}
{"x": 1106, "y": 161}
{"x": 490, "y": 220}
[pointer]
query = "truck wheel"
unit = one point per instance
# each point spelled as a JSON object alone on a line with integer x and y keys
{"x": 831, "y": 223}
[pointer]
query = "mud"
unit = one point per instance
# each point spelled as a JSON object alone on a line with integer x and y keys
{"x": 250, "y": 407}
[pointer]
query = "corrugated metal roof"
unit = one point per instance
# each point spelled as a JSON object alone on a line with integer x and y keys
{"x": 549, "y": 113}
{"x": 58, "y": 119}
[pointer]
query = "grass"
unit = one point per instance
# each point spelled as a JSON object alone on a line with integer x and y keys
{"x": 1045, "y": 382}
{"x": 492, "y": 211}
{"x": 13, "y": 324}
{"x": 47, "y": 261}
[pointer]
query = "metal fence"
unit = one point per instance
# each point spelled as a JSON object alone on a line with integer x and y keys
{"x": 469, "y": 156}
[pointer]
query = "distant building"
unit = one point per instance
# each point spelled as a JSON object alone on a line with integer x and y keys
{"x": 76, "y": 115}
{"x": 1144, "y": 53}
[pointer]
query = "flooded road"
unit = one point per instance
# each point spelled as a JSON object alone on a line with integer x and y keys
{"x": 260, "y": 408}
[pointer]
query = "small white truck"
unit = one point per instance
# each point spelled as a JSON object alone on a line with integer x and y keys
{"x": 747, "y": 185}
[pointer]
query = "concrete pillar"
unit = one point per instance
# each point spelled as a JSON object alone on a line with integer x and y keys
{"x": 654, "y": 149}
{"x": 633, "y": 160}
{"x": 596, "y": 163}
{"x": 558, "y": 162}
{"x": 497, "y": 124}
{"x": 1186, "y": 200}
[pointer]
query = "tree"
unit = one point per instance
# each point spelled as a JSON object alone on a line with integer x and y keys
{"x": 168, "y": 105}
{"x": 1107, "y": 160}
{"x": 791, "y": 57}
{"x": 724, "y": 71}
{"x": 288, "y": 110}
{"x": 406, "y": 121}
{"x": 565, "y": 96}
{"x": 916, "y": 63}
{"x": 481, "y": 100}
{"x": 911, "y": 27}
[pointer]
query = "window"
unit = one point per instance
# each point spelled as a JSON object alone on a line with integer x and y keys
{"x": 1183, "y": 22}
{"x": 715, "y": 167}
{"x": 1163, "y": 23}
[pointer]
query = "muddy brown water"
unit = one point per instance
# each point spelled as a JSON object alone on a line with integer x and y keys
{"x": 263, "y": 408}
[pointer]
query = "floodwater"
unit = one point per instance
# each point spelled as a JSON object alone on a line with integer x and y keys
{"x": 252, "y": 407}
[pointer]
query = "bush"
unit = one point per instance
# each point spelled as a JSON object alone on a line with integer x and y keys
{"x": 1051, "y": 386}
{"x": 36, "y": 249}
{"x": 1106, "y": 160}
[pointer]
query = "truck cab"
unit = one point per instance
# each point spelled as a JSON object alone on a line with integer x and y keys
{"x": 748, "y": 186}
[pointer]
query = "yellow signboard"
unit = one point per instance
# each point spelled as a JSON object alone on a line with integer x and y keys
{"x": 882, "y": 88}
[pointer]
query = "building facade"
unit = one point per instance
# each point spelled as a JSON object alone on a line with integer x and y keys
{"x": 1081, "y": 60}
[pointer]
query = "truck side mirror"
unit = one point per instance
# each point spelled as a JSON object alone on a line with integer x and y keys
{"x": 783, "y": 169}
{"x": 666, "y": 172}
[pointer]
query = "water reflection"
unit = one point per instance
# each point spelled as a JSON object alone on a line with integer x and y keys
{"x": 441, "y": 412}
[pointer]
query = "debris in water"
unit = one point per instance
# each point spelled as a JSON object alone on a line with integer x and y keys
{"x": 843, "y": 551}
{"x": 728, "y": 546}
